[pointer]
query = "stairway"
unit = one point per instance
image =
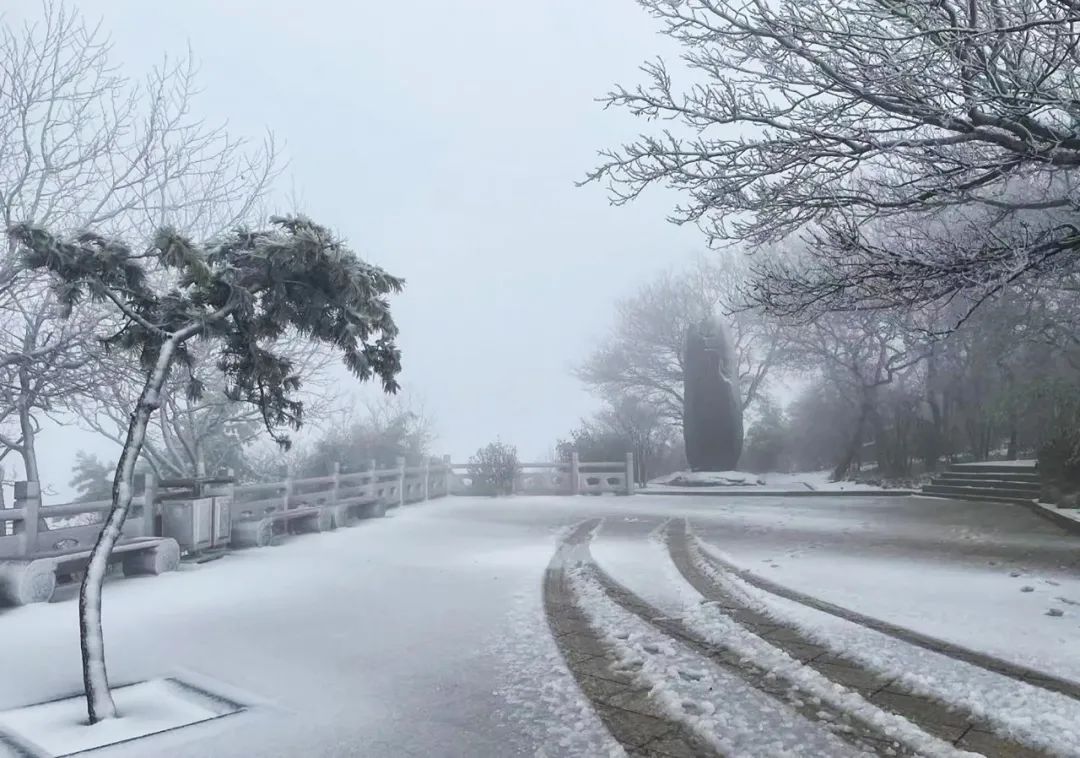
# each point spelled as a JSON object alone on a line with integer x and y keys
{"x": 999, "y": 482}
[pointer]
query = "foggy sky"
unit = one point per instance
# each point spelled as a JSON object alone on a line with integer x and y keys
{"x": 443, "y": 139}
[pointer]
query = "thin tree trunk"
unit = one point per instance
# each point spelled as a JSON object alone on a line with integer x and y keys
{"x": 99, "y": 702}
{"x": 26, "y": 427}
{"x": 27, "y": 449}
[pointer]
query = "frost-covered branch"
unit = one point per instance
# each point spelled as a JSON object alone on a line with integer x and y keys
{"x": 843, "y": 120}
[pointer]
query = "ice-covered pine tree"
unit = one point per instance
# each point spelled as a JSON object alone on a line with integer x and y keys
{"x": 242, "y": 292}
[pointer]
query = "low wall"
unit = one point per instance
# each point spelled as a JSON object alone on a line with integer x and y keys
{"x": 30, "y": 529}
{"x": 573, "y": 477}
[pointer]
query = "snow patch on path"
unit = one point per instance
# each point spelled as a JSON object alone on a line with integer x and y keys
{"x": 1017, "y": 710}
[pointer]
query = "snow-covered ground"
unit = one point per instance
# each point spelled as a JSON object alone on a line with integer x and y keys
{"x": 59, "y": 726}
{"x": 424, "y": 633}
{"x": 988, "y": 577}
{"x": 644, "y": 568}
{"x": 734, "y": 481}
{"x": 419, "y": 634}
{"x": 1042, "y": 718}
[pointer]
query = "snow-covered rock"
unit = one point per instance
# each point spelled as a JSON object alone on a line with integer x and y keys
{"x": 711, "y": 479}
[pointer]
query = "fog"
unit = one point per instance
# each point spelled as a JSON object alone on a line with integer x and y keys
{"x": 669, "y": 377}
{"x": 443, "y": 140}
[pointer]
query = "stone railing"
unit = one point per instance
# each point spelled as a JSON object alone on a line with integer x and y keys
{"x": 37, "y": 529}
{"x": 573, "y": 477}
{"x": 40, "y": 544}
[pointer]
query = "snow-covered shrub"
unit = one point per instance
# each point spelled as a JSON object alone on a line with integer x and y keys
{"x": 494, "y": 468}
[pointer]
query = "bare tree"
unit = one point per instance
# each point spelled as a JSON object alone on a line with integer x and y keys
{"x": 642, "y": 426}
{"x": 382, "y": 431}
{"x": 193, "y": 436}
{"x": 859, "y": 123}
{"x": 859, "y": 353}
{"x": 83, "y": 146}
{"x": 643, "y": 355}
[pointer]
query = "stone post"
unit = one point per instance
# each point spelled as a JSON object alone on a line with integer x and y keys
{"x": 401, "y": 479}
{"x": 427, "y": 478}
{"x": 629, "y": 473}
{"x": 448, "y": 473}
{"x": 286, "y": 497}
{"x": 148, "y": 486}
{"x": 575, "y": 474}
{"x": 335, "y": 485}
{"x": 28, "y": 498}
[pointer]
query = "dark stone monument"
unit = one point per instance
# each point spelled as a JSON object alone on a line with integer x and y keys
{"x": 712, "y": 403}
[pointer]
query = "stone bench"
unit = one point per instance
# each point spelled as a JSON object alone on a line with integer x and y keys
{"x": 34, "y": 580}
{"x": 348, "y": 511}
{"x": 258, "y": 528}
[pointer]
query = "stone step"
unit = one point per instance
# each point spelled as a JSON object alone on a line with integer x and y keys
{"x": 991, "y": 475}
{"x": 977, "y": 498}
{"x": 998, "y": 468}
{"x": 967, "y": 492}
{"x": 1007, "y": 484}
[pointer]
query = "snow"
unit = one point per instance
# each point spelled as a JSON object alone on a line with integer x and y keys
{"x": 820, "y": 480}
{"x": 710, "y": 479}
{"x": 645, "y": 568}
{"x": 424, "y": 633}
{"x": 59, "y": 727}
{"x": 734, "y": 481}
{"x": 1073, "y": 514}
{"x": 1039, "y": 717}
{"x": 717, "y": 705}
{"x": 973, "y": 604}
{"x": 540, "y": 694}
{"x": 1023, "y": 463}
{"x": 407, "y": 635}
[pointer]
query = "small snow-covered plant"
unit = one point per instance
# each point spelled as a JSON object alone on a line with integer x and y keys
{"x": 494, "y": 468}
{"x": 241, "y": 293}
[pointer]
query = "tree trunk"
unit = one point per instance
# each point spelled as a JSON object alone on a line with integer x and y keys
{"x": 99, "y": 702}
{"x": 854, "y": 446}
{"x": 27, "y": 449}
{"x": 934, "y": 436}
{"x": 1012, "y": 452}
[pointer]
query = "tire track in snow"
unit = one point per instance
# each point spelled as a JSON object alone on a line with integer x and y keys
{"x": 1016, "y": 671}
{"x": 1006, "y": 717}
{"x": 742, "y": 710}
{"x": 620, "y": 702}
{"x": 541, "y": 695}
{"x": 685, "y": 614}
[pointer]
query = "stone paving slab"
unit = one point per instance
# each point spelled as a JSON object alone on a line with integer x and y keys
{"x": 933, "y": 716}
